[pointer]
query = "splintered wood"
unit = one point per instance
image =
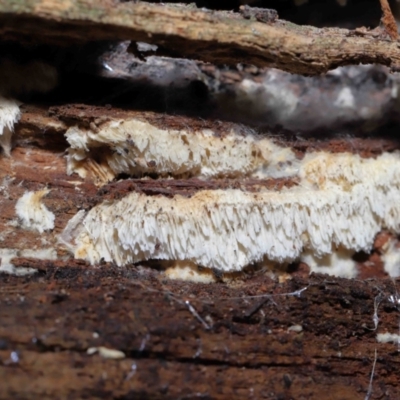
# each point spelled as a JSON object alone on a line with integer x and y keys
{"x": 388, "y": 20}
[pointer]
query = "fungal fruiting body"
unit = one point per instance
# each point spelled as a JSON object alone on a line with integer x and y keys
{"x": 33, "y": 214}
{"x": 138, "y": 147}
{"x": 335, "y": 203}
{"x": 9, "y": 115}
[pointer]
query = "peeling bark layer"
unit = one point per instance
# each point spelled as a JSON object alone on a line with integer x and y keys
{"x": 218, "y": 37}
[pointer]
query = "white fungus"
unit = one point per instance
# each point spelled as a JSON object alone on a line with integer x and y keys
{"x": 135, "y": 147}
{"x": 391, "y": 258}
{"x": 338, "y": 263}
{"x": 295, "y": 328}
{"x": 341, "y": 202}
{"x": 6, "y": 255}
{"x": 187, "y": 271}
{"x": 33, "y": 214}
{"x": 388, "y": 338}
{"x": 106, "y": 352}
{"x": 9, "y": 115}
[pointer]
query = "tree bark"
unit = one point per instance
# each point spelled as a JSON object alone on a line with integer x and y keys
{"x": 184, "y": 31}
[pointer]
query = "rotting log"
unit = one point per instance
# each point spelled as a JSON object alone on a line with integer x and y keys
{"x": 311, "y": 336}
{"x": 184, "y": 31}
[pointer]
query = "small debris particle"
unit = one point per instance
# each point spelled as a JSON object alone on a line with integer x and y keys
{"x": 265, "y": 15}
{"x": 106, "y": 353}
{"x": 287, "y": 381}
{"x": 387, "y": 337}
{"x": 131, "y": 372}
{"x": 14, "y": 357}
{"x": 295, "y": 328}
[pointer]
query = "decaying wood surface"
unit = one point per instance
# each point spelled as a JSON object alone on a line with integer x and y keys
{"x": 184, "y": 31}
{"x": 311, "y": 337}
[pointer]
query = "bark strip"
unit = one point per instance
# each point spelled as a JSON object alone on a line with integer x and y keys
{"x": 184, "y": 31}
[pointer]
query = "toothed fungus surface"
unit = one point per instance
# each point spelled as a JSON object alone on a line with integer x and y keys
{"x": 341, "y": 202}
{"x": 34, "y": 215}
{"x": 135, "y": 147}
{"x": 9, "y": 115}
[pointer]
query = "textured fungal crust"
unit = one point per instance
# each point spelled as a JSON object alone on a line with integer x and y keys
{"x": 341, "y": 202}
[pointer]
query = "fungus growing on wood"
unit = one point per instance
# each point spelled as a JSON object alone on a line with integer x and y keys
{"x": 391, "y": 258}
{"x": 314, "y": 184}
{"x": 136, "y": 147}
{"x": 9, "y": 115}
{"x": 341, "y": 201}
{"x": 7, "y": 255}
{"x": 33, "y": 213}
